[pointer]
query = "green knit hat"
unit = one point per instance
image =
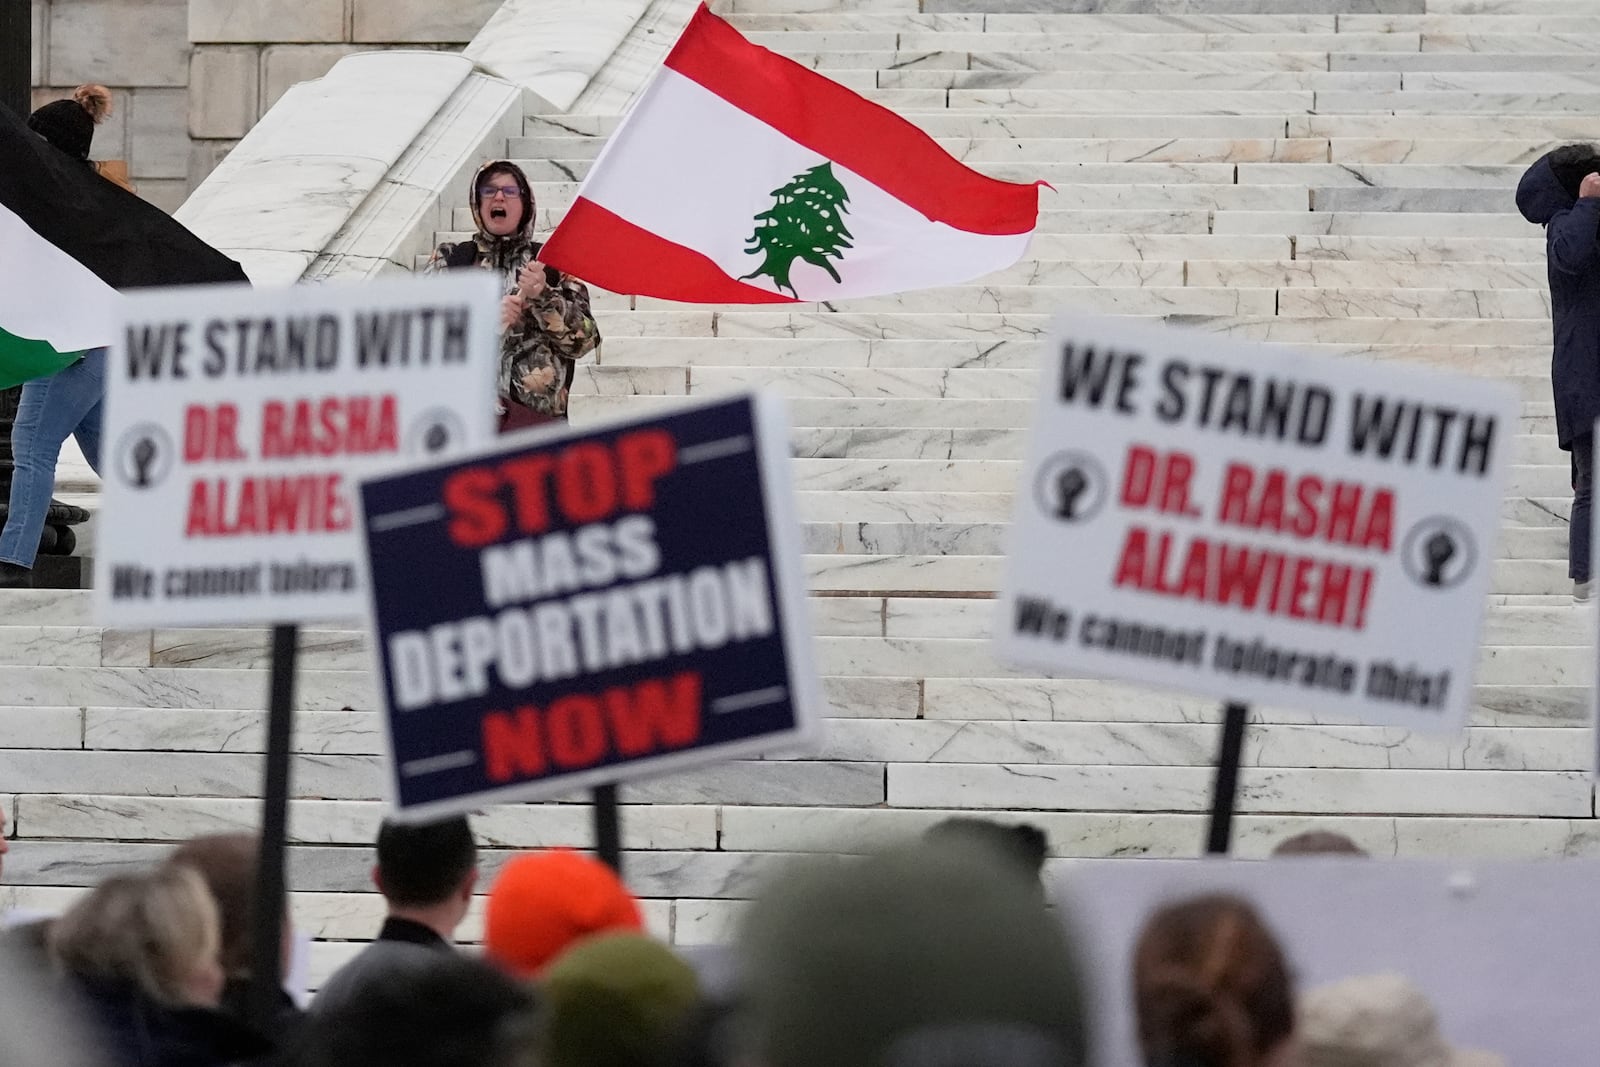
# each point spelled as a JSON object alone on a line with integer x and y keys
{"x": 936, "y": 955}
{"x": 617, "y": 1000}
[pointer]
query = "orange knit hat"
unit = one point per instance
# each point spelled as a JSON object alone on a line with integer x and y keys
{"x": 545, "y": 902}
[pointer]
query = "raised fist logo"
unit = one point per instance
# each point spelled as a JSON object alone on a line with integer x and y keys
{"x": 144, "y": 455}
{"x": 1070, "y": 487}
{"x": 1438, "y": 552}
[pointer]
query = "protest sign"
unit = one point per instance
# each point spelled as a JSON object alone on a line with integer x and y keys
{"x": 1257, "y": 524}
{"x": 1476, "y": 937}
{"x": 236, "y": 420}
{"x": 589, "y": 606}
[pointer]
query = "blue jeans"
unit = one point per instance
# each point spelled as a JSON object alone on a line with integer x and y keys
{"x": 1579, "y": 526}
{"x": 67, "y": 402}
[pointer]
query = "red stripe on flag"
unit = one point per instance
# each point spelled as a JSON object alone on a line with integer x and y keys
{"x": 605, "y": 249}
{"x": 834, "y": 122}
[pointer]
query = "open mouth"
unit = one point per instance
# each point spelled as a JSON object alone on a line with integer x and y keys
{"x": 497, "y": 213}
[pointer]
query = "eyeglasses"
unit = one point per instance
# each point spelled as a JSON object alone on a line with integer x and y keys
{"x": 489, "y": 192}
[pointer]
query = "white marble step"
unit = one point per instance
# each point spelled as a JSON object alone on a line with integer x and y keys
{"x": 1331, "y": 273}
{"x": 1407, "y": 101}
{"x": 1526, "y": 250}
{"x": 352, "y": 777}
{"x": 1199, "y": 62}
{"x": 1537, "y": 122}
{"x": 1009, "y": 353}
{"x": 1437, "y": 151}
{"x": 1273, "y": 743}
{"x": 1145, "y": 80}
{"x": 1374, "y": 223}
{"x": 1463, "y": 61}
{"x": 1576, "y": 21}
{"x": 1120, "y": 101}
{"x": 1434, "y": 792}
{"x": 1418, "y": 303}
{"x": 1502, "y": 179}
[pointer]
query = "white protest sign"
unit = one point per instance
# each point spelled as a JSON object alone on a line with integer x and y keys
{"x": 1501, "y": 949}
{"x": 1257, "y": 524}
{"x": 237, "y": 422}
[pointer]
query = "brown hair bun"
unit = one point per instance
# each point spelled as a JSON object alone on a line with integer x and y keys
{"x": 95, "y": 99}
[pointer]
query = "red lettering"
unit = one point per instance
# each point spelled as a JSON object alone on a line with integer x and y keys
{"x": 1236, "y": 494}
{"x": 1308, "y": 492}
{"x": 1239, "y": 572}
{"x": 577, "y": 732}
{"x": 1195, "y": 569}
{"x": 1269, "y": 509}
{"x": 512, "y": 747}
{"x": 477, "y": 516}
{"x": 1131, "y": 564}
{"x": 1343, "y": 512}
{"x": 199, "y": 522}
{"x": 587, "y": 482}
{"x": 331, "y": 426}
{"x": 1379, "y": 532}
{"x": 1138, "y": 476}
{"x": 645, "y": 456}
{"x": 1175, "y": 493}
{"x": 1333, "y": 600}
{"x": 658, "y": 716}
{"x": 527, "y": 476}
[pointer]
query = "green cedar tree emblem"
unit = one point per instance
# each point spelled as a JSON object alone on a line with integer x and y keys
{"x": 805, "y": 222}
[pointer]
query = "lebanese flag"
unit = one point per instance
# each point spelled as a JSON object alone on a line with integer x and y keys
{"x": 69, "y": 241}
{"x": 741, "y": 177}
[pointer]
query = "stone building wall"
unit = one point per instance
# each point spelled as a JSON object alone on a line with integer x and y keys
{"x": 190, "y": 77}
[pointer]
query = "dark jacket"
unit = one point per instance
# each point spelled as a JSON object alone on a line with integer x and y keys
{"x": 1572, "y": 251}
{"x": 134, "y": 1031}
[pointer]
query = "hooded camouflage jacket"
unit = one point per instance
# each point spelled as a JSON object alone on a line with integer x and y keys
{"x": 538, "y": 354}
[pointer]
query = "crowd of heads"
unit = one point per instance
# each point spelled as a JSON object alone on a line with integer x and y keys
{"x": 941, "y": 952}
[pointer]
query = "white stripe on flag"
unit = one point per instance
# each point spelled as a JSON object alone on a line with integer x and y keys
{"x": 692, "y": 168}
{"x": 46, "y": 295}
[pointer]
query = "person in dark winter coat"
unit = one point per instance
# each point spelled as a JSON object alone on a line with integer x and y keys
{"x": 1561, "y": 192}
{"x": 139, "y": 956}
{"x": 545, "y": 314}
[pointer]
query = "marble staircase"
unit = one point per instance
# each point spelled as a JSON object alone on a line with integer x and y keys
{"x": 1306, "y": 172}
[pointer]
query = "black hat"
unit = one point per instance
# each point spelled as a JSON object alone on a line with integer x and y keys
{"x": 69, "y": 124}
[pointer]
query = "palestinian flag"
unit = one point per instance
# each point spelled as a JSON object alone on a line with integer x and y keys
{"x": 69, "y": 239}
{"x": 741, "y": 177}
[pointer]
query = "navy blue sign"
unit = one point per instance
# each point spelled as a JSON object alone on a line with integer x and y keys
{"x": 589, "y": 607}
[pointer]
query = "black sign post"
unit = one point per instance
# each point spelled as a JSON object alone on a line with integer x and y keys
{"x": 1226, "y": 785}
{"x": 608, "y": 827}
{"x": 266, "y": 958}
